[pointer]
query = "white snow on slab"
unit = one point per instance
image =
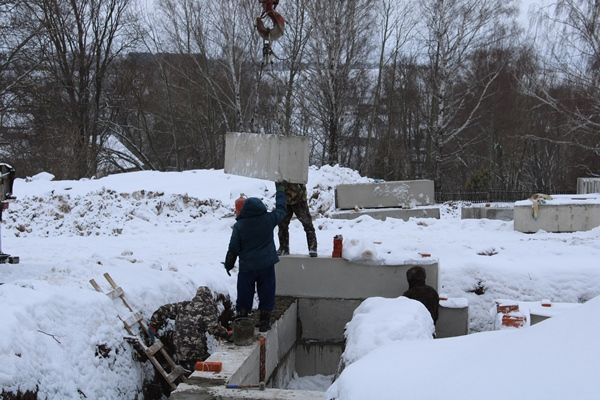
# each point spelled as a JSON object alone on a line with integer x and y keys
{"x": 379, "y": 321}
{"x": 565, "y": 199}
{"x": 554, "y": 360}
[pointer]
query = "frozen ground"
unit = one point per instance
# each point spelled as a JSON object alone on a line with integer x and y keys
{"x": 160, "y": 235}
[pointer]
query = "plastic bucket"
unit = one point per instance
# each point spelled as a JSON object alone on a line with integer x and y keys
{"x": 243, "y": 331}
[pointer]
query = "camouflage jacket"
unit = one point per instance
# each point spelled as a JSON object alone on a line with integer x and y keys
{"x": 192, "y": 321}
{"x": 295, "y": 193}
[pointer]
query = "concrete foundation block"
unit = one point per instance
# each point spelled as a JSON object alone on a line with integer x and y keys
{"x": 405, "y": 194}
{"x": 453, "y": 319}
{"x": 499, "y": 213}
{"x": 385, "y": 213}
{"x": 588, "y": 185}
{"x": 557, "y": 217}
{"x": 326, "y": 277}
{"x": 270, "y": 157}
{"x": 314, "y": 358}
{"x": 324, "y": 320}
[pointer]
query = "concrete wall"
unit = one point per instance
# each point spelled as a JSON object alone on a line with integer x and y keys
{"x": 270, "y": 157}
{"x": 500, "y": 213}
{"x": 324, "y": 320}
{"x": 558, "y": 218}
{"x": 318, "y": 358}
{"x": 240, "y": 363}
{"x": 405, "y": 194}
{"x": 326, "y": 277}
{"x": 452, "y": 321}
{"x": 588, "y": 185}
{"x": 383, "y": 214}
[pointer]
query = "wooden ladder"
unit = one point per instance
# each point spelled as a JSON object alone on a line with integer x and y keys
{"x": 170, "y": 371}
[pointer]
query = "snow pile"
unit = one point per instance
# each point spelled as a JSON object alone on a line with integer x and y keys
{"x": 565, "y": 199}
{"x": 555, "y": 360}
{"x": 147, "y": 200}
{"x": 322, "y": 182}
{"x": 359, "y": 250}
{"x": 380, "y": 321}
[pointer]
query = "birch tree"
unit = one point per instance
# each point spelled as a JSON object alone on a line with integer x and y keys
{"x": 454, "y": 30}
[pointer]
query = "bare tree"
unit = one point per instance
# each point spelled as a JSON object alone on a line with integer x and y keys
{"x": 338, "y": 54}
{"x": 81, "y": 39}
{"x": 571, "y": 65}
{"x": 454, "y": 30}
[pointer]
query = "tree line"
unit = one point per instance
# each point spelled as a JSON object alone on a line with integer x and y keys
{"x": 452, "y": 90}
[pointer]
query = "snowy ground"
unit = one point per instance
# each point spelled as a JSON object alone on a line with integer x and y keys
{"x": 160, "y": 235}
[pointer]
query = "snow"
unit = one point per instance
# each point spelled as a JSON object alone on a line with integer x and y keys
{"x": 554, "y": 360}
{"x": 319, "y": 383}
{"x": 566, "y": 199}
{"x": 162, "y": 234}
{"x": 379, "y": 321}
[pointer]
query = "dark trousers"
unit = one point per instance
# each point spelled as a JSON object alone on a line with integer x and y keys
{"x": 303, "y": 214}
{"x": 263, "y": 280}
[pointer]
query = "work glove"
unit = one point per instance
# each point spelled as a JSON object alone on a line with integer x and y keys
{"x": 229, "y": 261}
{"x": 151, "y": 333}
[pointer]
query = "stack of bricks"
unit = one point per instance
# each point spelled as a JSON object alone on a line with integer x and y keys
{"x": 510, "y": 316}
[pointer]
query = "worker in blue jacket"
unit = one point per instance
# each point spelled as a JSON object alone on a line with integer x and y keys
{"x": 252, "y": 241}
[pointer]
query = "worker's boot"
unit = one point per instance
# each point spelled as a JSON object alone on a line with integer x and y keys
{"x": 265, "y": 321}
{"x": 283, "y": 251}
{"x": 241, "y": 313}
{"x": 311, "y": 239}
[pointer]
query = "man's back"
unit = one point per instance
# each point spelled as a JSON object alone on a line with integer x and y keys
{"x": 428, "y": 296}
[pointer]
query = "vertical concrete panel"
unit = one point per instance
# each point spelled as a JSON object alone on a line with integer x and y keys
{"x": 588, "y": 185}
{"x": 325, "y": 319}
{"x": 404, "y": 194}
{"x": 270, "y": 157}
{"x": 452, "y": 322}
{"x": 318, "y": 358}
{"x": 326, "y": 277}
{"x": 557, "y": 218}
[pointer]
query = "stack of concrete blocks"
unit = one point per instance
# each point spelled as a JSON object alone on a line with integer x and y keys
{"x": 487, "y": 212}
{"x": 563, "y": 213}
{"x": 270, "y": 157}
{"x": 588, "y": 185}
{"x": 399, "y": 199}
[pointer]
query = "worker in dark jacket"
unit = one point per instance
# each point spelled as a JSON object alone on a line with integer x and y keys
{"x": 418, "y": 290}
{"x": 297, "y": 203}
{"x": 252, "y": 241}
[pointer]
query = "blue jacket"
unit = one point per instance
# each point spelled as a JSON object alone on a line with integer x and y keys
{"x": 252, "y": 236}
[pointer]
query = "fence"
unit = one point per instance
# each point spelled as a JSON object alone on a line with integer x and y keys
{"x": 492, "y": 195}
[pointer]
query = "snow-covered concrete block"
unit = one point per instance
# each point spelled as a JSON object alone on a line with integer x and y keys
{"x": 499, "y": 213}
{"x": 384, "y": 213}
{"x": 453, "y": 318}
{"x": 588, "y": 185}
{"x": 563, "y": 213}
{"x": 406, "y": 194}
{"x": 270, "y": 157}
{"x": 337, "y": 278}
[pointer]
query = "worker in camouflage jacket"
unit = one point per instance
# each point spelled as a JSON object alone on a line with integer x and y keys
{"x": 297, "y": 204}
{"x": 194, "y": 322}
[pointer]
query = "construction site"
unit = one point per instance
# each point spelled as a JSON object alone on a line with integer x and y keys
{"x": 276, "y": 279}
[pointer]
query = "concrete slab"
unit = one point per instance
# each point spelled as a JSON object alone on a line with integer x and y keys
{"x": 318, "y": 358}
{"x": 385, "y": 213}
{"x": 563, "y": 214}
{"x": 270, "y": 157}
{"x": 326, "y": 277}
{"x": 325, "y": 319}
{"x": 588, "y": 185}
{"x": 499, "y": 213}
{"x": 191, "y": 392}
{"x": 240, "y": 363}
{"x": 453, "y": 318}
{"x": 405, "y": 194}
